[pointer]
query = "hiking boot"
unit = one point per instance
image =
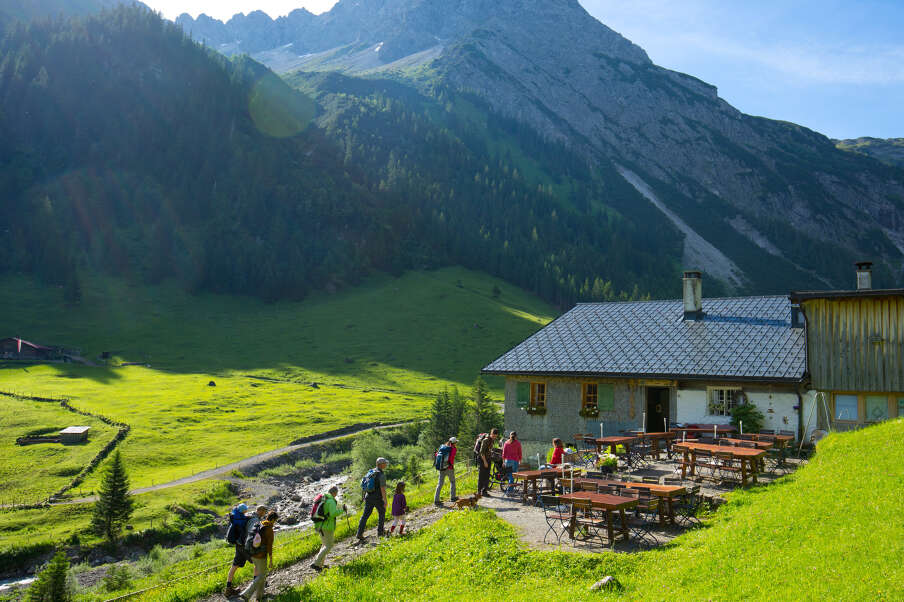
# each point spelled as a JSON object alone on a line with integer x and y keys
{"x": 440, "y": 504}
{"x": 316, "y": 568}
{"x": 230, "y": 592}
{"x": 453, "y": 499}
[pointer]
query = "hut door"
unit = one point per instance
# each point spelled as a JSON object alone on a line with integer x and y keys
{"x": 657, "y": 408}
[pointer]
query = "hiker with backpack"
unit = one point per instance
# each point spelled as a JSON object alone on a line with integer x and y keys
{"x": 259, "y": 546}
{"x": 235, "y": 534}
{"x": 484, "y": 447}
{"x": 373, "y": 486}
{"x": 324, "y": 511}
{"x": 444, "y": 462}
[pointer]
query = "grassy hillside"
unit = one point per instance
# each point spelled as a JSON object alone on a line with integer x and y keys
{"x": 831, "y": 531}
{"x": 377, "y": 353}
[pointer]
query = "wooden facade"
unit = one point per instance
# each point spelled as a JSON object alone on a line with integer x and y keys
{"x": 855, "y": 353}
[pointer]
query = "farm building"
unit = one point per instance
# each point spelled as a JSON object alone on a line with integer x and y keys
{"x": 14, "y": 348}
{"x": 689, "y": 360}
{"x": 855, "y": 352}
{"x": 74, "y": 434}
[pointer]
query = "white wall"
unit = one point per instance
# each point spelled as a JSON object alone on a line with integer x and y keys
{"x": 777, "y": 407}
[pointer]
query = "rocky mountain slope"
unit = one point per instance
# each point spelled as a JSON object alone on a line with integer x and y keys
{"x": 746, "y": 192}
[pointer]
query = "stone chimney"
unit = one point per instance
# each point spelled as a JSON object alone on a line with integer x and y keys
{"x": 693, "y": 295}
{"x": 864, "y": 275}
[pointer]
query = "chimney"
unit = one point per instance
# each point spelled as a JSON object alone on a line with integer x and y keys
{"x": 693, "y": 296}
{"x": 864, "y": 275}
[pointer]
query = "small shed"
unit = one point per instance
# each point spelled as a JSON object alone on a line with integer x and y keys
{"x": 74, "y": 434}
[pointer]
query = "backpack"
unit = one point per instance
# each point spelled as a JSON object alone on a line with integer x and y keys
{"x": 317, "y": 516}
{"x": 253, "y": 529}
{"x": 235, "y": 532}
{"x": 441, "y": 458}
{"x": 479, "y": 444}
{"x": 369, "y": 481}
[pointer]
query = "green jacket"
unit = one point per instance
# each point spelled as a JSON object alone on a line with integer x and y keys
{"x": 330, "y": 511}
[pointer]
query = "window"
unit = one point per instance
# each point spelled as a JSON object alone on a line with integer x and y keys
{"x": 846, "y": 408}
{"x": 538, "y": 395}
{"x": 876, "y": 408}
{"x": 523, "y": 395}
{"x": 901, "y": 406}
{"x": 590, "y": 397}
{"x": 722, "y": 400}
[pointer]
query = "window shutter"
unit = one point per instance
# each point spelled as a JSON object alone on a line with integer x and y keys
{"x": 605, "y": 397}
{"x": 523, "y": 396}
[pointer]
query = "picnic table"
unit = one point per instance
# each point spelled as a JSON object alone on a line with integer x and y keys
{"x": 780, "y": 441}
{"x": 747, "y": 456}
{"x": 603, "y": 501}
{"x": 758, "y": 444}
{"x": 612, "y": 442}
{"x": 665, "y": 493}
{"x": 655, "y": 438}
{"x": 529, "y": 478}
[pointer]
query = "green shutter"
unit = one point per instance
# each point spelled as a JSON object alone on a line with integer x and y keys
{"x": 523, "y": 397}
{"x": 605, "y": 397}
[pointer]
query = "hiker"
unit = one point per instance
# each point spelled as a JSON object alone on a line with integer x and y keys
{"x": 558, "y": 449}
{"x": 374, "y": 488}
{"x": 511, "y": 455}
{"x": 259, "y": 546}
{"x": 399, "y": 508}
{"x": 235, "y": 534}
{"x": 326, "y": 528}
{"x": 484, "y": 462}
{"x": 444, "y": 462}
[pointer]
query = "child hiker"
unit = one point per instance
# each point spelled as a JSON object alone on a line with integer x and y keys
{"x": 399, "y": 508}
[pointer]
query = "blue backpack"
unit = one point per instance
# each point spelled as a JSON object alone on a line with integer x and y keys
{"x": 235, "y": 532}
{"x": 441, "y": 459}
{"x": 369, "y": 482}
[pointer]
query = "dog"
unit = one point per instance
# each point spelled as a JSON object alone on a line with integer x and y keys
{"x": 467, "y": 502}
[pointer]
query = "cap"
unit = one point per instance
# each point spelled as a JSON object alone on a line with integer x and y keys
{"x": 242, "y": 507}
{"x": 382, "y": 460}
{"x": 453, "y": 440}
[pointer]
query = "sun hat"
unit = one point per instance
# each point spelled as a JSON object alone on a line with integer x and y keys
{"x": 453, "y": 440}
{"x": 382, "y": 460}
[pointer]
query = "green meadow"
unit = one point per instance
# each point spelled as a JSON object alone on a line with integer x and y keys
{"x": 377, "y": 353}
{"x": 42, "y": 468}
{"x": 830, "y": 531}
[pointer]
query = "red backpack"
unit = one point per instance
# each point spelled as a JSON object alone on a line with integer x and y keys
{"x": 317, "y": 516}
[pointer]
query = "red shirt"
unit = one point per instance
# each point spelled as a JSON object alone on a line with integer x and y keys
{"x": 511, "y": 450}
{"x": 452, "y": 455}
{"x": 557, "y": 455}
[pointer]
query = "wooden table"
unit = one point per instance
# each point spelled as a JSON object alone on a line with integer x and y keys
{"x": 665, "y": 493}
{"x": 655, "y": 438}
{"x": 604, "y": 501}
{"x": 758, "y": 444}
{"x": 530, "y": 478}
{"x": 612, "y": 442}
{"x": 721, "y": 429}
{"x": 748, "y": 457}
{"x": 780, "y": 441}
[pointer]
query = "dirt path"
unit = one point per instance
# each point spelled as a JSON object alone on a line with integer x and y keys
{"x": 227, "y": 468}
{"x": 342, "y": 553}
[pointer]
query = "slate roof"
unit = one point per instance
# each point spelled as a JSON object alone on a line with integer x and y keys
{"x": 739, "y": 338}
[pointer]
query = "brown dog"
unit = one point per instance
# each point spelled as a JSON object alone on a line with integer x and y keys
{"x": 467, "y": 502}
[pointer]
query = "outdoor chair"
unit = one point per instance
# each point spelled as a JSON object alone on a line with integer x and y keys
{"x": 707, "y": 439}
{"x": 608, "y": 489}
{"x": 589, "y": 525}
{"x": 651, "y": 480}
{"x": 557, "y": 515}
{"x": 745, "y": 437}
{"x": 767, "y": 431}
{"x": 775, "y": 461}
{"x": 726, "y": 443}
{"x": 705, "y": 462}
{"x": 688, "y": 505}
{"x": 639, "y": 524}
{"x": 585, "y": 486}
{"x": 595, "y": 474}
{"x": 788, "y": 433}
{"x": 749, "y": 444}
{"x": 727, "y": 465}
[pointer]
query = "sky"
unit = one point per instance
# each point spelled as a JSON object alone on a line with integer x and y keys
{"x": 835, "y": 66}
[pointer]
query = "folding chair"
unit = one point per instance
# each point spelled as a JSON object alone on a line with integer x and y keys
{"x": 588, "y": 523}
{"x": 557, "y": 516}
{"x": 727, "y": 465}
{"x": 688, "y": 505}
{"x": 639, "y": 523}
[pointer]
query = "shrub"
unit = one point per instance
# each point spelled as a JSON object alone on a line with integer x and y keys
{"x": 118, "y": 577}
{"x": 750, "y": 415}
{"x": 52, "y": 584}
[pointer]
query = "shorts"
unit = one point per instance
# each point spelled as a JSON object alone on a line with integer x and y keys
{"x": 240, "y": 556}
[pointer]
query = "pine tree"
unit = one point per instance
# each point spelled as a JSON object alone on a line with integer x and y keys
{"x": 50, "y": 585}
{"x": 114, "y": 506}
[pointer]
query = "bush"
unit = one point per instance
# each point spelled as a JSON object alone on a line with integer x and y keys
{"x": 118, "y": 577}
{"x": 52, "y": 584}
{"x": 750, "y": 415}
{"x": 366, "y": 449}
